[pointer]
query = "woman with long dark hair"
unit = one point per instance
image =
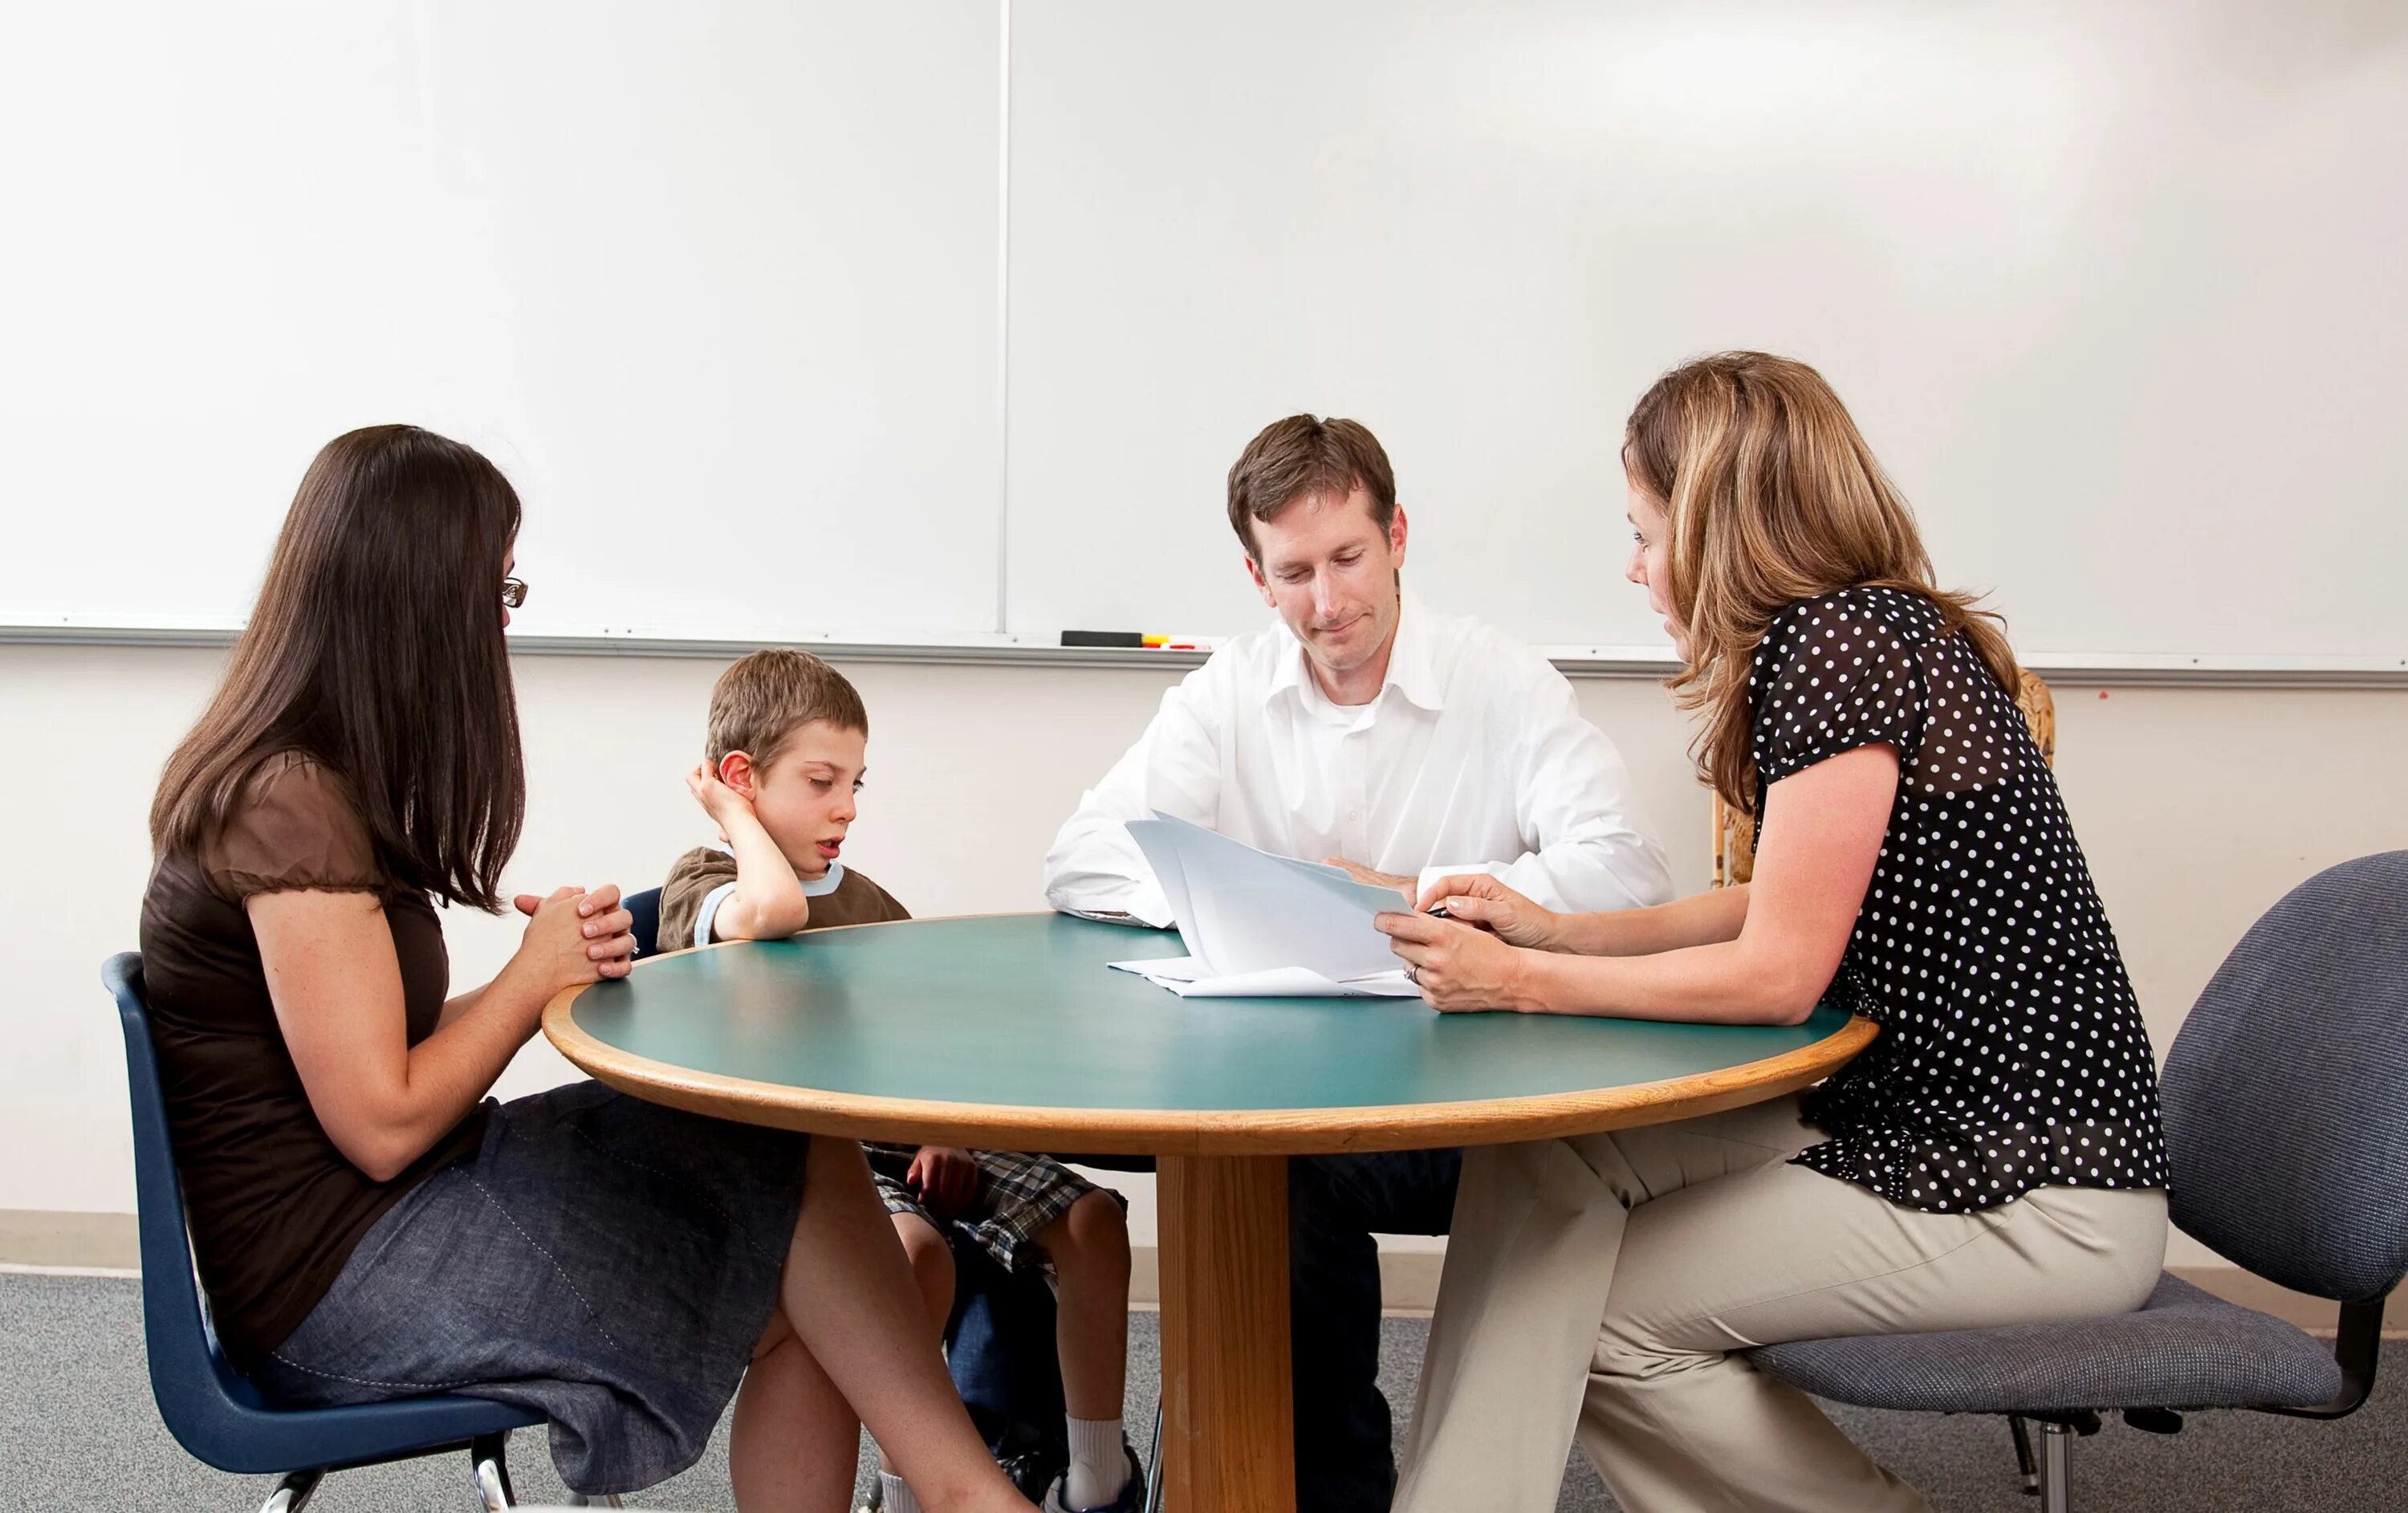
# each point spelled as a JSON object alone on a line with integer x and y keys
{"x": 367, "y": 1224}
{"x": 1994, "y": 1157}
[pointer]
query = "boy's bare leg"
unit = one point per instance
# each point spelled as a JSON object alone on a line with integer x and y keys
{"x": 1089, "y": 1249}
{"x": 850, "y": 1299}
{"x": 932, "y": 1271}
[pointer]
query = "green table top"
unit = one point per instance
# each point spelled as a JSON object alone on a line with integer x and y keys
{"x": 1010, "y": 1030}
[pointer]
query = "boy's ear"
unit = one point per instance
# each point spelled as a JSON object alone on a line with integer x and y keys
{"x": 735, "y": 771}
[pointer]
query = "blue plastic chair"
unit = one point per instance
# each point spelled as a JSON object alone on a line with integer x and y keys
{"x": 213, "y": 1411}
{"x": 2285, "y": 1098}
{"x": 646, "y": 908}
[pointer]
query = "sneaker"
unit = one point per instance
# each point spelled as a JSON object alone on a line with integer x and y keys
{"x": 1031, "y": 1472}
{"x": 1131, "y": 1500}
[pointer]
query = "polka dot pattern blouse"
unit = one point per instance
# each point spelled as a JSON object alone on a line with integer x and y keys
{"x": 2011, "y": 1054}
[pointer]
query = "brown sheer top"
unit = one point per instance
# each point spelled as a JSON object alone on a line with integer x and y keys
{"x": 274, "y": 1208}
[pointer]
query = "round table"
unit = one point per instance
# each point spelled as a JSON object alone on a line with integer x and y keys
{"x": 1010, "y": 1032}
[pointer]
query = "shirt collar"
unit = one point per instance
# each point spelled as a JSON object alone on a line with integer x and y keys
{"x": 1411, "y": 669}
{"x": 812, "y": 887}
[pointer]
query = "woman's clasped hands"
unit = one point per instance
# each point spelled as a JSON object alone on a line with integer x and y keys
{"x": 575, "y": 937}
{"x": 1472, "y": 952}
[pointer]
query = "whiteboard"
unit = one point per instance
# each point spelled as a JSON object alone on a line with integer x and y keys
{"x": 939, "y": 324}
{"x": 716, "y": 285}
{"x": 2117, "y": 293}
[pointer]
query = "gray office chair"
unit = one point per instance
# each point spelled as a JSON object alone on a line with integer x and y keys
{"x": 2286, "y": 1103}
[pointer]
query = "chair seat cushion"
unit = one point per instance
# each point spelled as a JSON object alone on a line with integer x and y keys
{"x": 2182, "y": 1348}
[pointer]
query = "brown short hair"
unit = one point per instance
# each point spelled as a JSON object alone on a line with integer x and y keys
{"x": 1301, "y": 457}
{"x": 764, "y": 697}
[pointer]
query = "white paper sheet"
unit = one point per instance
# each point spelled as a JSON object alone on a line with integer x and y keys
{"x": 1256, "y": 924}
{"x": 1184, "y": 977}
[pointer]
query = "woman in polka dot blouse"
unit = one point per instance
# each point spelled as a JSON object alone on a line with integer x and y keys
{"x": 1993, "y": 1157}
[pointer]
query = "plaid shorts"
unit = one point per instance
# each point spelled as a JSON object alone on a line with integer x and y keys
{"x": 1018, "y": 1195}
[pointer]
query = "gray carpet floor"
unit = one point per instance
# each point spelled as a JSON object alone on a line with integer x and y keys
{"x": 78, "y": 1431}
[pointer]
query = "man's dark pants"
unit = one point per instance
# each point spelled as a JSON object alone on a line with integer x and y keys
{"x": 1002, "y": 1353}
{"x": 1345, "y": 1461}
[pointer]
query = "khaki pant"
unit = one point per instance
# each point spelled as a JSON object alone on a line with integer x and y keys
{"x": 1597, "y": 1286}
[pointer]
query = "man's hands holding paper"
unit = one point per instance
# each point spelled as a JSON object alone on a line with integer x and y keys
{"x": 1360, "y": 873}
{"x": 1469, "y": 961}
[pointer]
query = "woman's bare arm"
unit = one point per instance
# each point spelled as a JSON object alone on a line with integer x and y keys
{"x": 336, "y": 983}
{"x": 1705, "y": 918}
{"x": 1823, "y": 833}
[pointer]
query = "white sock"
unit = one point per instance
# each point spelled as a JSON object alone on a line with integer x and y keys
{"x": 898, "y": 1498}
{"x": 1099, "y": 1470}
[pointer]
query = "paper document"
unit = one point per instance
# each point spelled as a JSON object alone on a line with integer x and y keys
{"x": 1262, "y": 927}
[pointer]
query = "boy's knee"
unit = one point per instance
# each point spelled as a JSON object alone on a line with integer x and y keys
{"x": 1093, "y": 1235}
{"x": 931, "y": 1258}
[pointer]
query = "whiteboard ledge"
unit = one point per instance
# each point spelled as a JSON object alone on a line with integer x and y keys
{"x": 2070, "y": 668}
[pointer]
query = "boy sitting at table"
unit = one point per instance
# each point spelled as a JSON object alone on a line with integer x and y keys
{"x": 785, "y": 752}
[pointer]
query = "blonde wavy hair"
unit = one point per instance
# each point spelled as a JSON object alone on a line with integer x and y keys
{"x": 1774, "y": 497}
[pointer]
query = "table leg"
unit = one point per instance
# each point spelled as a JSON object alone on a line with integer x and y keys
{"x": 1227, "y": 1442}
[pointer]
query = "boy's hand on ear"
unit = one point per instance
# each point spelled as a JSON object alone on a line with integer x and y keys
{"x": 717, "y": 799}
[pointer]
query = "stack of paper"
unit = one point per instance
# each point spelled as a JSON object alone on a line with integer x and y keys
{"x": 1262, "y": 927}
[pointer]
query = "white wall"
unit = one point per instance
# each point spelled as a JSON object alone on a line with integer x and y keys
{"x": 2199, "y": 809}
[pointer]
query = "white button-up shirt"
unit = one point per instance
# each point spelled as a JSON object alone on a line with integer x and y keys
{"x": 1473, "y": 757}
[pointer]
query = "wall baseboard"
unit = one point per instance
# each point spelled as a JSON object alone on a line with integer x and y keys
{"x": 61, "y": 1240}
{"x": 68, "y": 1240}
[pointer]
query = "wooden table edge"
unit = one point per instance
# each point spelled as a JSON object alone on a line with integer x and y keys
{"x": 1261, "y": 1132}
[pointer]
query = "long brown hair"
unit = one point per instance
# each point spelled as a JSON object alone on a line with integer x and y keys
{"x": 1773, "y": 498}
{"x": 375, "y": 647}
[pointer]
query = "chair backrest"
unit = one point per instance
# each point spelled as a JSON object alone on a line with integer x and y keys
{"x": 646, "y": 908}
{"x": 1734, "y": 830}
{"x": 198, "y": 1391}
{"x": 2286, "y": 1092}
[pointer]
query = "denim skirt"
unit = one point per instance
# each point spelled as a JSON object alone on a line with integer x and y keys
{"x": 605, "y": 1262}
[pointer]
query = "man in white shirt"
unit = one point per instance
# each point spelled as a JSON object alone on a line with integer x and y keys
{"x": 1366, "y": 730}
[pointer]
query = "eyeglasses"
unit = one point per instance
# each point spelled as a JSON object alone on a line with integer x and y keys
{"x": 513, "y": 592}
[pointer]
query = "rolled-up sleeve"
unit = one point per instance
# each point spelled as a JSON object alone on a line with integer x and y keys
{"x": 695, "y": 888}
